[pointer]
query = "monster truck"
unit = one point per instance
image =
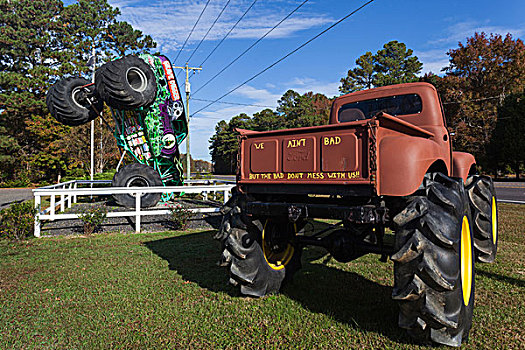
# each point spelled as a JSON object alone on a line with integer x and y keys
{"x": 384, "y": 161}
{"x": 150, "y": 121}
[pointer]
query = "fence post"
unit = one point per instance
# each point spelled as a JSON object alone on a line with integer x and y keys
{"x": 52, "y": 208}
{"x": 37, "y": 215}
{"x": 75, "y": 196}
{"x": 69, "y": 196}
{"x": 137, "y": 212}
{"x": 63, "y": 200}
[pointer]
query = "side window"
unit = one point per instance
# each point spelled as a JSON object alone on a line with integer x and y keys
{"x": 393, "y": 105}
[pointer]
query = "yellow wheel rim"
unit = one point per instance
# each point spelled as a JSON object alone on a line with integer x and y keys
{"x": 494, "y": 221}
{"x": 277, "y": 261}
{"x": 466, "y": 261}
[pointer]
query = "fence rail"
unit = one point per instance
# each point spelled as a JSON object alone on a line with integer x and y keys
{"x": 68, "y": 192}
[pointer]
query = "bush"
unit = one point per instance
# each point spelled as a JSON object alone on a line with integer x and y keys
{"x": 21, "y": 179}
{"x": 92, "y": 216}
{"x": 179, "y": 217}
{"x": 16, "y": 221}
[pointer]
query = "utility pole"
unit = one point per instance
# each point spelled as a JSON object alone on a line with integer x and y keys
{"x": 187, "y": 88}
{"x": 93, "y": 122}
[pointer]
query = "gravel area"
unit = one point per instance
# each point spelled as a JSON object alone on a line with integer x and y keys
{"x": 156, "y": 223}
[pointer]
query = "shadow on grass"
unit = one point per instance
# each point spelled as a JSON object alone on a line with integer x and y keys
{"x": 194, "y": 257}
{"x": 344, "y": 296}
{"x": 505, "y": 279}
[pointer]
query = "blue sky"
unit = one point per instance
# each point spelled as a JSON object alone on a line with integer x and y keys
{"x": 430, "y": 28}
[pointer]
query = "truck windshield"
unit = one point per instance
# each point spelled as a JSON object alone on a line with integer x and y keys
{"x": 393, "y": 105}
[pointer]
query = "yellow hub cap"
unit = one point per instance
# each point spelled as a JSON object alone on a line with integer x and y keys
{"x": 494, "y": 221}
{"x": 466, "y": 261}
{"x": 276, "y": 261}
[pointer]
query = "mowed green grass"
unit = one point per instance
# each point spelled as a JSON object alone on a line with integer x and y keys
{"x": 165, "y": 291}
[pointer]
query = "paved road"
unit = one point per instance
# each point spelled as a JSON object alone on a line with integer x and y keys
{"x": 10, "y": 196}
{"x": 510, "y": 192}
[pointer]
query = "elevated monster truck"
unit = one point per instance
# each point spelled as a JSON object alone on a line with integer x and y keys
{"x": 150, "y": 121}
{"x": 384, "y": 161}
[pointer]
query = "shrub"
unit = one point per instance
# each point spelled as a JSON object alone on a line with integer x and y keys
{"x": 179, "y": 216}
{"x": 16, "y": 221}
{"x": 92, "y": 216}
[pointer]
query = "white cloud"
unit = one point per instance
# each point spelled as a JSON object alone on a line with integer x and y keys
{"x": 169, "y": 22}
{"x": 433, "y": 60}
{"x": 306, "y": 84}
{"x": 436, "y": 57}
{"x": 458, "y": 32}
{"x": 202, "y": 126}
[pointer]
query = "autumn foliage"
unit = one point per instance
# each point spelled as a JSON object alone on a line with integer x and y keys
{"x": 482, "y": 72}
{"x": 40, "y": 42}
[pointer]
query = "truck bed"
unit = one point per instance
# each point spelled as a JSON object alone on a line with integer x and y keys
{"x": 330, "y": 154}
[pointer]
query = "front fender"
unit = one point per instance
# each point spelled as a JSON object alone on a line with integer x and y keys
{"x": 461, "y": 164}
{"x": 403, "y": 162}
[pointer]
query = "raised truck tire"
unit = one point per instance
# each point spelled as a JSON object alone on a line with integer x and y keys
{"x": 126, "y": 83}
{"x": 434, "y": 262}
{"x": 71, "y": 102}
{"x": 253, "y": 263}
{"x": 137, "y": 175}
{"x": 484, "y": 211}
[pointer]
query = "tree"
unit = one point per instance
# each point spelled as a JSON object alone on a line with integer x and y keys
{"x": 267, "y": 119}
{"x": 294, "y": 110}
{"x": 303, "y": 110}
{"x": 508, "y": 142}
{"x": 225, "y": 144}
{"x": 41, "y": 41}
{"x": 92, "y": 24}
{"x": 393, "y": 64}
{"x": 360, "y": 77}
{"x": 28, "y": 50}
{"x": 481, "y": 72}
{"x": 396, "y": 65}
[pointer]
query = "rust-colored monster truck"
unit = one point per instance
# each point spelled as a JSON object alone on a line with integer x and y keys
{"x": 384, "y": 161}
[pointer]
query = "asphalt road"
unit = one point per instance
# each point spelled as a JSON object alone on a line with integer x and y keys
{"x": 507, "y": 192}
{"x": 510, "y": 192}
{"x": 10, "y": 196}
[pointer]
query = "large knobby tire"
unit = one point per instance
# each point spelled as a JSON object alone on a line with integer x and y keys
{"x": 434, "y": 262}
{"x": 251, "y": 262}
{"x": 483, "y": 206}
{"x": 137, "y": 175}
{"x": 73, "y": 103}
{"x": 126, "y": 83}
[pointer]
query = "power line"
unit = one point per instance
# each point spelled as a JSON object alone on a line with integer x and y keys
{"x": 249, "y": 48}
{"x": 192, "y": 29}
{"x": 227, "y": 34}
{"x": 232, "y": 103}
{"x": 287, "y": 55}
{"x": 208, "y": 32}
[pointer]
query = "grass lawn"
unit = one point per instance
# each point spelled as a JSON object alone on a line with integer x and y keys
{"x": 164, "y": 290}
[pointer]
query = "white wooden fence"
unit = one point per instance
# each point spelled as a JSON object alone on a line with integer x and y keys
{"x": 68, "y": 193}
